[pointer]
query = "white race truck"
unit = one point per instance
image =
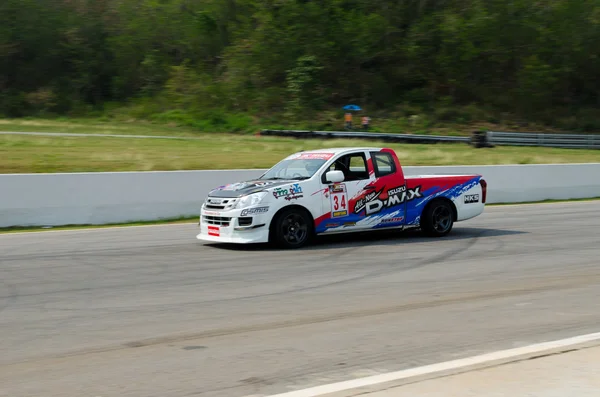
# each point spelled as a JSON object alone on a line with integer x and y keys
{"x": 337, "y": 190}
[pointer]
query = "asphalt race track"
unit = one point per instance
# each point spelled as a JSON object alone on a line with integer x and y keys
{"x": 151, "y": 311}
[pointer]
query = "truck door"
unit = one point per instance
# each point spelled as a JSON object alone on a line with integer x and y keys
{"x": 385, "y": 204}
{"x": 340, "y": 199}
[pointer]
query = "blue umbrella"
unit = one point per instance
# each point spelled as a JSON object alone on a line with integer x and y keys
{"x": 352, "y": 107}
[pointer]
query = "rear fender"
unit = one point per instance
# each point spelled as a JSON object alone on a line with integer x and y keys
{"x": 471, "y": 202}
{"x": 450, "y": 187}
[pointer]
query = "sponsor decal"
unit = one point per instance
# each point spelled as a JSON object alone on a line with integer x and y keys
{"x": 314, "y": 156}
{"x": 348, "y": 224}
{"x": 393, "y": 220}
{"x": 235, "y": 186}
{"x": 362, "y": 203}
{"x": 214, "y": 231}
{"x": 332, "y": 224}
{"x": 471, "y": 198}
{"x": 243, "y": 185}
{"x": 293, "y": 192}
{"x": 339, "y": 200}
{"x": 252, "y": 211}
{"x": 337, "y": 188}
{"x": 372, "y": 204}
{"x": 212, "y": 213}
{"x": 294, "y": 197}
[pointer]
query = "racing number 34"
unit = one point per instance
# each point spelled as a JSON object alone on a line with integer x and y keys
{"x": 337, "y": 204}
{"x": 339, "y": 200}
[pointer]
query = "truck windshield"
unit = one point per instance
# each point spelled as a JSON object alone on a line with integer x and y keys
{"x": 294, "y": 169}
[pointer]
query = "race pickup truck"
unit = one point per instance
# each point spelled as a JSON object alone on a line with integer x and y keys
{"x": 337, "y": 190}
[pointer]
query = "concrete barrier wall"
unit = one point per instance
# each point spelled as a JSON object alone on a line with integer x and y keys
{"x": 100, "y": 198}
{"x": 523, "y": 183}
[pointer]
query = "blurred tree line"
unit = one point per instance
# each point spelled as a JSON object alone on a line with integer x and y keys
{"x": 527, "y": 57}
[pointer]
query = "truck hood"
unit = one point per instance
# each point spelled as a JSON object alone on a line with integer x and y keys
{"x": 239, "y": 189}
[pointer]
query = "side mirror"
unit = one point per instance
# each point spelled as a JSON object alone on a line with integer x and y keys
{"x": 334, "y": 176}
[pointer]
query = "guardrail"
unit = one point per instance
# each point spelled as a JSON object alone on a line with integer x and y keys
{"x": 380, "y": 136}
{"x": 477, "y": 139}
{"x": 575, "y": 141}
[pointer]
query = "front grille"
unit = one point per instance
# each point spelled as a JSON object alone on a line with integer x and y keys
{"x": 214, "y": 203}
{"x": 217, "y": 220}
{"x": 245, "y": 221}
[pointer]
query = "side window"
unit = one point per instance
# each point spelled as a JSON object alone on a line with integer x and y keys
{"x": 383, "y": 164}
{"x": 354, "y": 167}
{"x": 358, "y": 164}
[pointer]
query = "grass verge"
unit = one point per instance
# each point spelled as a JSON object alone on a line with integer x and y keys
{"x": 95, "y": 126}
{"x": 194, "y": 219}
{"x": 173, "y": 221}
{"x": 43, "y": 154}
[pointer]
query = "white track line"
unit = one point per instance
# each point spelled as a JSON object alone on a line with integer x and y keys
{"x": 565, "y": 202}
{"x": 499, "y": 356}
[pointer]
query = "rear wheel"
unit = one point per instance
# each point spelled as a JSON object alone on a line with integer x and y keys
{"x": 291, "y": 228}
{"x": 437, "y": 219}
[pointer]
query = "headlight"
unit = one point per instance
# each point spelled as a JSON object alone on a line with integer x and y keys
{"x": 250, "y": 200}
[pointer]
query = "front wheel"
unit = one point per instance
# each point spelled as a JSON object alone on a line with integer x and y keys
{"x": 437, "y": 220}
{"x": 291, "y": 229}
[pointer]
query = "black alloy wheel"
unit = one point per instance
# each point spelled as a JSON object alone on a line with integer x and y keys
{"x": 438, "y": 219}
{"x": 292, "y": 229}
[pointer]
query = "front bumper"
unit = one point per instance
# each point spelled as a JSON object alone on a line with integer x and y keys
{"x": 231, "y": 227}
